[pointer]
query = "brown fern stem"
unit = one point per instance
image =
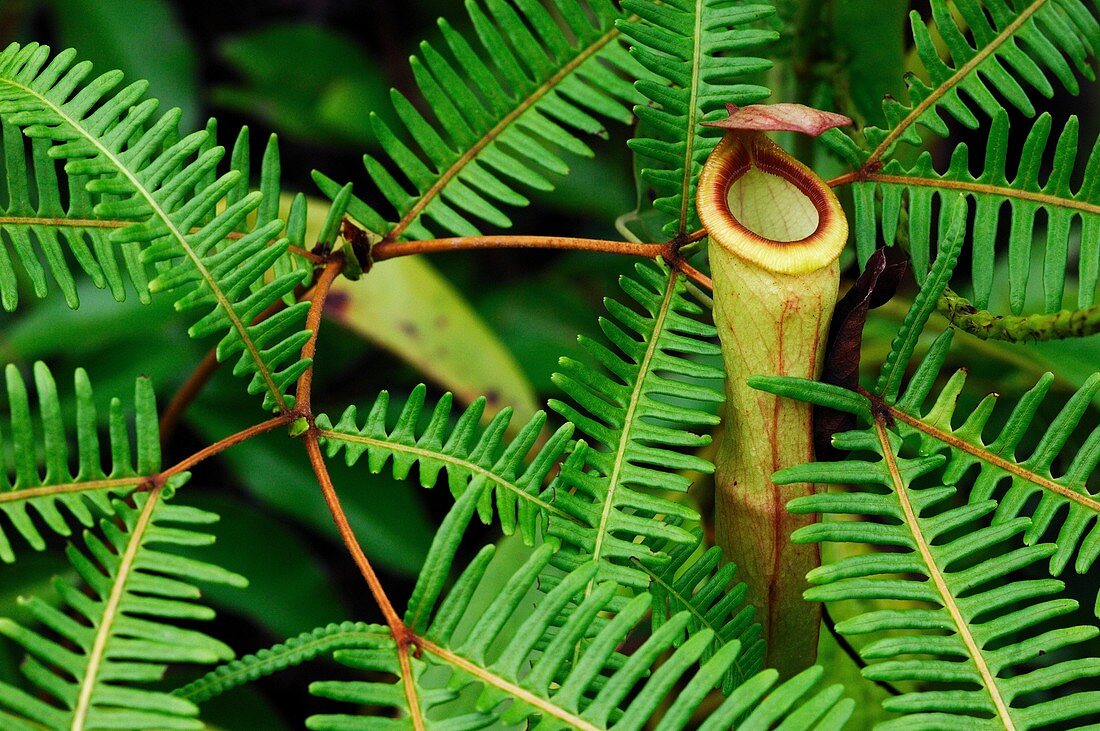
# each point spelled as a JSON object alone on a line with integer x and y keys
{"x": 847, "y": 178}
{"x": 390, "y": 249}
{"x": 667, "y": 251}
{"x": 221, "y": 445}
{"x": 320, "y": 471}
{"x": 304, "y": 393}
{"x": 406, "y": 640}
{"x": 303, "y": 409}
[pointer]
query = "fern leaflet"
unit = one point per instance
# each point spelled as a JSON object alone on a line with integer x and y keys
{"x": 90, "y": 669}
{"x": 189, "y": 218}
{"x": 1000, "y": 465}
{"x": 516, "y": 682}
{"x": 472, "y": 456}
{"x": 698, "y": 582}
{"x": 503, "y": 113}
{"x": 973, "y": 624}
{"x": 693, "y": 49}
{"x": 25, "y": 491}
{"x": 1017, "y": 44}
{"x": 1018, "y": 47}
{"x": 639, "y": 406}
{"x": 295, "y": 651}
{"x": 35, "y": 225}
{"x": 993, "y": 190}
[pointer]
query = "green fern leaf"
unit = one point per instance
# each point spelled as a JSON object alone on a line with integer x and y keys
{"x": 934, "y": 285}
{"x": 970, "y": 633}
{"x": 293, "y": 652}
{"x": 695, "y": 50}
{"x": 502, "y": 115}
{"x": 190, "y": 220}
{"x": 1019, "y": 47}
{"x": 992, "y": 191}
{"x": 516, "y": 682}
{"x": 975, "y": 634}
{"x": 472, "y": 456}
{"x": 43, "y": 234}
{"x": 1004, "y": 473}
{"x": 58, "y": 496}
{"x": 998, "y": 54}
{"x": 90, "y": 670}
{"x": 639, "y": 406}
{"x": 698, "y": 582}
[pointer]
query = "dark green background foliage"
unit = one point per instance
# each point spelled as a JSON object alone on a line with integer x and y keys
{"x": 312, "y": 70}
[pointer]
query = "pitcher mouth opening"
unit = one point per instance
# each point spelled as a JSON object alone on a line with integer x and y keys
{"x": 762, "y": 205}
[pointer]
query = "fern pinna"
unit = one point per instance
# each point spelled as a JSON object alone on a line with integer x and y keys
{"x": 1000, "y": 53}
{"x": 1025, "y": 195}
{"x": 115, "y": 631}
{"x": 503, "y": 113}
{"x": 516, "y": 683}
{"x": 959, "y": 613}
{"x": 163, "y": 192}
{"x": 698, "y": 53}
{"x": 971, "y": 623}
{"x": 471, "y": 455}
{"x": 33, "y": 500}
{"x": 1014, "y": 478}
{"x": 640, "y": 408}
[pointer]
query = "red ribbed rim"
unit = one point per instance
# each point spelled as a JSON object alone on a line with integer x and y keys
{"x": 730, "y": 168}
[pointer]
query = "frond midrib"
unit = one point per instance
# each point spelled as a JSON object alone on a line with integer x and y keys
{"x": 422, "y": 453}
{"x": 684, "y": 599}
{"x": 628, "y": 418}
{"x": 68, "y": 488}
{"x": 986, "y": 456}
{"x": 1044, "y": 199}
{"x": 108, "y": 223}
{"x": 693, "y": 111}
{"x": 489, "y": 137}
{"x": 517, "y": 692}
{"x": 989, "y": 681}
{"x": 954, "y": 80}
{"x": 111, "y": 610}
{"x": 174, "y": 232}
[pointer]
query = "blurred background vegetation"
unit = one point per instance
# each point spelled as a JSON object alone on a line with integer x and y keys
{"x": 494, "y": 324}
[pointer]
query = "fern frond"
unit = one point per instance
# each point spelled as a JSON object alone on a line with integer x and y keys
{"x": 295, "y": 651}
{"x": 696, "y": 52}
{"x": 44, "y": 235}
{"x": 964, "y": 628}
{"x": 993, "y": 191}
{"x": 516, "y": 682}
{"x": 1014, "y": 479}
{"x": 641, "y": 405}
{"x": 472, "y": 456}
{"x": 190, "y": 221}
{"x": 118, "y": 633}
{"x": 698, "y": 582}
{"x": 502, "y": 114}
{"x": 31, "y": 500}
{"x": 1019, "y": 47}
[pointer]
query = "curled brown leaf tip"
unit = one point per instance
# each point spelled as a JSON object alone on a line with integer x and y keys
{"x": 875, "y": 287}
{"x": 781, "y": 118}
